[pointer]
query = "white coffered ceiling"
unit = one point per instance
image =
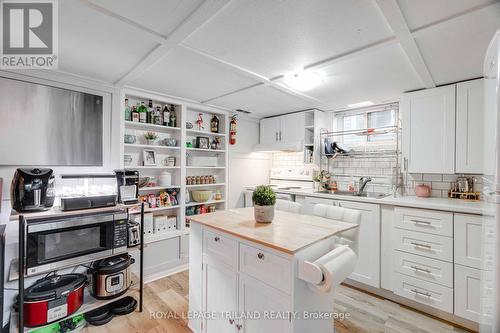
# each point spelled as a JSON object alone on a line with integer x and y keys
{"x": 234, "y": 53}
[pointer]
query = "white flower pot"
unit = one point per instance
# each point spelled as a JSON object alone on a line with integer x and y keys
{"x": 150, "y": 141}
{"x": 264, "y": 214}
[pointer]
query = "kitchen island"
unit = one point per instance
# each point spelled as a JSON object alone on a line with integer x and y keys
{"x": 245, "y": 275}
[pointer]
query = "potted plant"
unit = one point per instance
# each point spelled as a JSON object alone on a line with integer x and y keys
{"x": 264, "y": 199}
{"x": 150, "y": 137}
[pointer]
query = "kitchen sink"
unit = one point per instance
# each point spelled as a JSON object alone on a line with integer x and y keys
{"x": 376, "y": 195}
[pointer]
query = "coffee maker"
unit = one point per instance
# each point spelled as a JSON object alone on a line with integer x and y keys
{"x": 128, "y": 186}
{"x": 32, "y": 190}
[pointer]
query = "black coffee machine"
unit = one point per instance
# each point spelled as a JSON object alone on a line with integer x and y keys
{"x": 32, "y": 190}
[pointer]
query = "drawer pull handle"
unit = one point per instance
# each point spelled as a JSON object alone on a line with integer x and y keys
{"x": 216, "y": 239}
{"x": 421, "y": 222}
{"x": 421, "y": 269}
{"x": 260, "y": 255}
{"x": 421, "y": 245}
{"x": 417, "y": 292}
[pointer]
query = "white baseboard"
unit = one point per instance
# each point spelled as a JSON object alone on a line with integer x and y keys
{"x": 165, "y": 273}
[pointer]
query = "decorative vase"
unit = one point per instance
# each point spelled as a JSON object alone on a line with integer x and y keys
{"x": 263, "y": 214}
{"x": 150, "y": 142}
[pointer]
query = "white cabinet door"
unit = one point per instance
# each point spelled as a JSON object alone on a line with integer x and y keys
{"x": 468, "y": 229}
{"x": 367, "y": 269}
{"x": 292, "y": 128}
{"x": 258, "y": 297}
{"x": 428, "y": 127}
{"x": 467, "y": 292}
{"x": 220, "y": 295}
{"x": 470, "y": 125}
{"x": 269, "y": 130}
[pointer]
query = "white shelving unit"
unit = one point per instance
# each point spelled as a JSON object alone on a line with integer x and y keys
{"x": 185, "y": 112}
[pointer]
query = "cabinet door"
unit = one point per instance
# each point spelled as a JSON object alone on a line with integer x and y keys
{"x": 269, "y": 130}
{"x": 220, "y": 285}
{"x": 467, "y": 292}
{"x": 257, "y": 297}
{"x": 292, "y": 129}
{"x": 367, "y": 269}
{"x": 310, "y": 202}
{"x": 428, "y": 127}
{"x": 468, "y": 229}
{"x": 470, "y": 125}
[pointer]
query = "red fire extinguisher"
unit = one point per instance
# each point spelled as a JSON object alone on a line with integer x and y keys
{"x": 232, "y": 130}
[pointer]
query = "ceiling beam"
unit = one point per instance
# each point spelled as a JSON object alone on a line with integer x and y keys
{"x": 395, "y": 19}
{"x": 206, "y": 11}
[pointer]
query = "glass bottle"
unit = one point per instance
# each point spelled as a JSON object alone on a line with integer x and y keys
{"x": 173, "y": 118}
{"x": 158, "y": 118}
{"x": 135, "y": 114}
{"x": 149, "y": 116}
{"x": 166, "y": 116}
{"x": 143, "y": 113}
{"x": 128, "y": 114}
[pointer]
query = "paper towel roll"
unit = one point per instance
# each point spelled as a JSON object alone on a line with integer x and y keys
{"x": 336, "y": 266}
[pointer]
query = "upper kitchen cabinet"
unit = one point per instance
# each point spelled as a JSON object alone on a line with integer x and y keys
{"x": 469, "y": 133}
{"x": 428, "y": 122}
{"x": 283, "y": 132}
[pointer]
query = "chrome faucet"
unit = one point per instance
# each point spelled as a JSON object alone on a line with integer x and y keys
{"x": 362, "y": 184}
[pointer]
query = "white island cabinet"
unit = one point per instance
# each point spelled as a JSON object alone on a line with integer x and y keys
{"x": 244, "y": 276}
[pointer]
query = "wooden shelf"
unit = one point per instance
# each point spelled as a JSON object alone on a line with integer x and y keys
{"x": 150, "y": 167}
{"x": 135, "y": 145}
{"x": 209, "y": 202}
{"x": 193, "y": 131}
{"x": 205, "y": 185}
{"x": 206, "y": 150}
{"x": 157, "y": 209}
{"x": 158, "y": 188}
{"x": 153, "y": 126}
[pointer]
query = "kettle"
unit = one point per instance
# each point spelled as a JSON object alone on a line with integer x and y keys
{"x": 423, "y": 191}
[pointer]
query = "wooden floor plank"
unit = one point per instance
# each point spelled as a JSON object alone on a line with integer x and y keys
{"x": 367, "y": 314}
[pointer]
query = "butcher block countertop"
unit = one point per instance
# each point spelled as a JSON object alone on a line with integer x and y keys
{"x": 288, "y": 233}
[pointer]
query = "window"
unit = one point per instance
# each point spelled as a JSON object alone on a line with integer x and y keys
{"x": 377, "y": 118}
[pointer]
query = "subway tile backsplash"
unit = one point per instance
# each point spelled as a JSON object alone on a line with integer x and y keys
{"x": 381, "y": 171}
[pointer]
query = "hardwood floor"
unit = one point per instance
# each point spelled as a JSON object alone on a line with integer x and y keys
{"x": 363, "y": 313}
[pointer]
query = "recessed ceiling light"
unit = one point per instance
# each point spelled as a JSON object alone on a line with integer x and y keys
{"x": 360, "y": 104}
{"x": 304, "y": 80}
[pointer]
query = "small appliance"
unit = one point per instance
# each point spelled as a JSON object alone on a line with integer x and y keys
{"x": 134, "y": 233}
{"x": 55, "y": 243}
{"x": 52, "y": 298}
{"x": 85, "y": 191}
{"x": 32, "y": 190}
{"x": 111, "y": 277}
{"x": 128, "y": 186}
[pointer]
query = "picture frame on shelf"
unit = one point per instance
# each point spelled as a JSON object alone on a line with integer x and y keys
{"x": 202, "y": 142}
{"x": 149, "y": 157}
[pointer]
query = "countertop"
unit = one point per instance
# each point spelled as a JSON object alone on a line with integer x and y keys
{"x": 445, "y": 204}
{"x": 288, "y": 233}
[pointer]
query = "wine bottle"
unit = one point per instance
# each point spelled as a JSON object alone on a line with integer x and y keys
{"x": 166, "y": 116}
{"x": 157, "y": 116}
{"x": 143, "y": 113}
{"x": 214, "y": 124}
{"x": 173, "y": 118}
{"x": 135, "y": 114}
{"x": 149, "y": 115}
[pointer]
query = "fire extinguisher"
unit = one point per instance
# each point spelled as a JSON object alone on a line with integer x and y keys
{"x": 232, "y": 130}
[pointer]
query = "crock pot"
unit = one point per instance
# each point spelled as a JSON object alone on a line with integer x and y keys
{"x": 53, "y": 298}
{"x": 111, "y": 277}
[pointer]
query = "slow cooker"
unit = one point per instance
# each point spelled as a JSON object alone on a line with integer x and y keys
{"x": 111, "y": 277}
{"x": 53, "y": 298}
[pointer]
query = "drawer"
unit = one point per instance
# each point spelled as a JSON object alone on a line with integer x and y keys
{"x": 267, "y": 267}
{"x": 432, "y": 246}
{"x": 437, "y": 223}
{"x": 424, "y": 268}
{"x": 428, "y": 293}
{"x": 219, "y": 247}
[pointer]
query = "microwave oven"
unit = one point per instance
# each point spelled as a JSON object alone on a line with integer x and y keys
{"x": 56, "y": 243}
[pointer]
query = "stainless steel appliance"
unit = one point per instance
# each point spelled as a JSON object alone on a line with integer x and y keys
{"x": 111, "y": 277}
{"x": 54, "y": 243}
{"x": 32, "y": 189}
{"x": 134, "y": 233}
